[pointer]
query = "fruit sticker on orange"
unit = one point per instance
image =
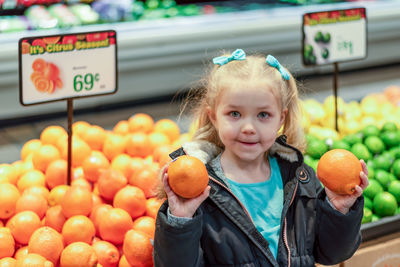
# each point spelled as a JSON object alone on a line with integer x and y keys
{"x": 334, "y": 36}
{"x": 66, "y": 66}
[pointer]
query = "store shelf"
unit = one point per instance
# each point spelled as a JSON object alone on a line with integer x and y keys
{"x": 161, "y": 57}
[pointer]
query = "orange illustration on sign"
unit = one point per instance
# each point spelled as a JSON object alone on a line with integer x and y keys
{"x": 45, "y": 76}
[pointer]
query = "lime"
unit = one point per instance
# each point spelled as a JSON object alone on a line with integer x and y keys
{"x": 389, "y": 126}
{"x": 319, "y": 37}
{"x": 382, "y": 162}
{"x": 371, "y": 172}
{"x": 396, "y": 168}
{"x": 316, "y": 148}
{"x": 391, "y": 177}
{"x": 383, "y": 178}
{"x": 352, "y": 139}
{"x": 394, "y": 189}
{"x": 327, "y": 38}
{"x": 368, "y": 203}
{"x": 385, "y": 204}
{"x": 370, "y": 130}
{"x": 395, "y": 152}
{"x": 375, "y": 218}
{"x": 314, "y": 164}
{"x": 340, "y": 144}
{"x": 374, "y": 144}
{"x": 390, "y": 138}
{"x": 361, "y": 151}
{"x": 398, "y": 211}
{"x": 367, "y": 215}
{"x": 372, "y": 189}
{"x": 308, "y": 159}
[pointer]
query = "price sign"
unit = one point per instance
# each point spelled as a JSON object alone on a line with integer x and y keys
{"x": 59, "y": 67}
{"x": 334, "y": 36}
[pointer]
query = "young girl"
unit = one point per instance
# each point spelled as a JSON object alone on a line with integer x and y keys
{"x": 264, "y": 206}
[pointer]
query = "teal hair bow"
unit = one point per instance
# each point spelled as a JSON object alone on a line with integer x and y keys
{"x": 273, "y": 62}
{"x": 238, "y": 54}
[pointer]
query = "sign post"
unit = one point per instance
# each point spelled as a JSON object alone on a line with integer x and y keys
{"x": 67, "y": 66}
{"x": 330, "y": 37}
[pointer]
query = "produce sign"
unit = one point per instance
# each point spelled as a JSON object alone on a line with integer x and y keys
{"x": 334, "y": 36}
{"x": 61, "y": 67}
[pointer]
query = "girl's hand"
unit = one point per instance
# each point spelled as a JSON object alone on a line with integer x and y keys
{"x": 182, "y": 207}
{"x": 344, "y": 202}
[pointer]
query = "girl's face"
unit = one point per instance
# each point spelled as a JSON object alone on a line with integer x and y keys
{"x": 247, "y": 121}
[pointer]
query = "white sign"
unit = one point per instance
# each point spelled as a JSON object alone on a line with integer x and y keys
{"x": 334, "y": 36}
{"x": 67, "y": 66}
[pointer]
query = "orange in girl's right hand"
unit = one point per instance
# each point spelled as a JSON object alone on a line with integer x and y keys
{"x": 187, "y": 176}
{"x": 339, "y": 170}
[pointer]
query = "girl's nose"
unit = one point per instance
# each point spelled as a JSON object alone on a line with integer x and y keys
{"x": 248, "y": 128}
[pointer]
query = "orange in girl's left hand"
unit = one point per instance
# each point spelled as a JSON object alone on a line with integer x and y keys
{"x": 339, "y": 170}
{"x": 187, "y": 176}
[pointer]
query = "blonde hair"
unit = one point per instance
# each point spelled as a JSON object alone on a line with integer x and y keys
{"x": 255, "y": 70}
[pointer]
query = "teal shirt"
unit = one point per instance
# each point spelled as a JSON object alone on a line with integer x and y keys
{"x": 264, "y": 202}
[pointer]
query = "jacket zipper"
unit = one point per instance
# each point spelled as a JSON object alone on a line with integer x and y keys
{"x": 285, "y": 226}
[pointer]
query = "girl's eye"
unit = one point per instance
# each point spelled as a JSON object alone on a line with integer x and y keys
{"x": 235, "y": 114}
{"x": 263, "y": 115}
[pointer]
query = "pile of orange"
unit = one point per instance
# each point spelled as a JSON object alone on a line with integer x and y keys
{"x": 106, "y": 216}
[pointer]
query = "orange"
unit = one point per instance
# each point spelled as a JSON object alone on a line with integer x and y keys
{"x": 145, "y": 224}
{"x": 169, "y": 128}
{"x": 110, "y": 181}
{"x": 78, "y": 254}
{"x": 78, "y": 228}
{"x": 158, "y": 139}
{"x": 80, "y": 151}
{"x": 138, "y": 145}
{"x": 81, "y": 182}
{"x": 10, "y": 172}
{"x": 56, "y": 194}
{"x": 9, "y": 196}
{"x": 123, "y": 262}
{"x": 131, "y": 199}
{"x": 136, "y": 165}
{"x": 339, "y": 170}
{"x": 33, "y": 260}
{"x": 187, "y": 176}
{"x": 77, "y": 201}
{"x": 97, "y": 215}
{"x": 94, "y": 136}
{"x": 122, "y": 163}
{"x": 55, "y": 218}
{"x": 77, "y": 173}
{"x": 147, "y": 180}
{"x": 44, "y": 156}
{"x": 93, "y": 164}
{"x": 40, "y": 190}
{"x": 80, "y": 127}
{"x": 32, "y": 202}
{"x": 30, "y": 147}
{"x": 107, "y": 253}
{"x": 51, "y": 134}
{"x": 56, "y": 173}
{"x": 153, "y": 204}
{"x": 114, "y": 144}
{"x": 114, "y": 224}
{"x": 122, "y": 127}
{"x": 31, "y": 178}
{"x": 7, "y": 243}
{"x": 7, "y": 262}
{"x": 21, "y": 252}
{"x": 138, "y": 249}
{"x": 46, "y": 242}
{"x": 141, "y": 122}
{"x": 161, "y": 154}
{"x": 22, "y": 225}
{"x": 97, "y": 199}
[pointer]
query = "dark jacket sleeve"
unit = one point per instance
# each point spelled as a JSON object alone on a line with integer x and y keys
{"x": 177, "y": 245}
{"x": 338, "y": 235}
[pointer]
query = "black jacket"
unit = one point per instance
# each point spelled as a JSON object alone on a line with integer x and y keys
{"x": 222, "y": 233}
